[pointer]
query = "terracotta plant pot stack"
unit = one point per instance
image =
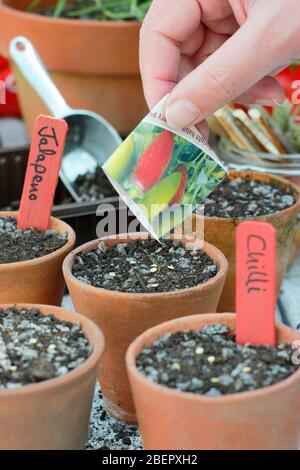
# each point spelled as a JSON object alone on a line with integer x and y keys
{"x": 123, "y": 316}
{"x": 39, "y": 280}
{"x": 263, "y": 419}
{"x": 54, "y": 414}
{"x": 220, "y": 232}
{"x": 93, "y": 63}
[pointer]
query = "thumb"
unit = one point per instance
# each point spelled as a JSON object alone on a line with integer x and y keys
{"x": 242, "y": 61}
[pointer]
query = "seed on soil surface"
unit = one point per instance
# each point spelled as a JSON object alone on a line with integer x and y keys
{"x": 246, "y": 198}
{"x": 199, "y": 351}
{"x": 22, "y": 245}
{"x": 53, "y": 352}
{"x": 214, "y": 380}
{"x": 136, "y": 267}
{"x": 246, "y": 368}
{"x": 211, "y": 359}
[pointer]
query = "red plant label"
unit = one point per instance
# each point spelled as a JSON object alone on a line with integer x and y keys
{"x": 42, "y": 172}
{"x": 256, "y": 283}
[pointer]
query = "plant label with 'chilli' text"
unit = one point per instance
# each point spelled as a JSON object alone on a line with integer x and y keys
{"x": 49, "y": 136}
{"x": 256, "y": 283}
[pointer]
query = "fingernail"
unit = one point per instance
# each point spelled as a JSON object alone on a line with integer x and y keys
{"x": 269, "y": 102}
{"x": 182, "y": 113}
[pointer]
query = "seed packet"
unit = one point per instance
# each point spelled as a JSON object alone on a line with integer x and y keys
{"x": 163, "y": 174}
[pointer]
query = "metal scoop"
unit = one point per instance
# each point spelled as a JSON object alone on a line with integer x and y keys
{"x": 90, "y": 140}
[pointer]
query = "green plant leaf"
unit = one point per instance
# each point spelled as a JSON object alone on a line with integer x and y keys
{"x": 33, "y": 5}
{"x": 118, "y": 10}
{"x": 59, "y": 8}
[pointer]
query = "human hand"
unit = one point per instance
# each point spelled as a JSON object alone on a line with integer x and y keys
{"x": 210, "y": 52}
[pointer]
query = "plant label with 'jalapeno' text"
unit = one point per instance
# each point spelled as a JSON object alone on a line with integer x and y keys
{"x": 48, "y": 140}
{"x": 256, "y": 283}
{"x": 163, "y": 175}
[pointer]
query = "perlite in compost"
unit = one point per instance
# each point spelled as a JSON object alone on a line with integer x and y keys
{"x": 244, "y": 198}
{"x": 209, "y": 362}
{"x": 144, "y": 266}
{"x": 36, "y": 347}
{"x": 94, "y": 186}
{"x": 22, "y": 245}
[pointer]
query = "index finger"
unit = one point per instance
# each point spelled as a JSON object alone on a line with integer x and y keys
{"x": 168, "y": 24}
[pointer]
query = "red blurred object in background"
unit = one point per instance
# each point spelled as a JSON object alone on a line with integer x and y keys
{"x": 288, "y": 79}
{"x": 11, "y": 108}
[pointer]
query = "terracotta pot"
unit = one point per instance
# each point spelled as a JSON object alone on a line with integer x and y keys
{"x": 293, "y": 253}
{"x": 123, "y": 316}
{"x": 54, "y": 414}
{"x": 93, "y": 63}
{"x": 267, "y": 418}
{"x": 39, "y": 280}
{"x": 221, "y": 233}
{"x": 297, "y": 236}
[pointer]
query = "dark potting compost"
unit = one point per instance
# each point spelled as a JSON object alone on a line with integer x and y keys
{"x": 22, "y": 245}
{"x": 209, "y": 362}
{"x": 36, "y": 347}
{"x": 94, "y": 186}
{"x": 144, "y": 266}
{"x": 242, "y": 198}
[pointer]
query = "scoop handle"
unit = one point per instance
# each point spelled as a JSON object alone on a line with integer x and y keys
{"x": 30, "y": 64}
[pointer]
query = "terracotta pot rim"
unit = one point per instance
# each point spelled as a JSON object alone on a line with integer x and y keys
{"x": 259, "y": 175}
{"x": 217, "y": 256}
{"x": 117, "y": 24}
{"x": 139, "y": 342}
{"x": 95, "y": 336}
{"x": 42, "y": 259}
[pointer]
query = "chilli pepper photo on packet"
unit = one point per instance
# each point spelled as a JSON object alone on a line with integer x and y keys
{"x": 163, "y": 175}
